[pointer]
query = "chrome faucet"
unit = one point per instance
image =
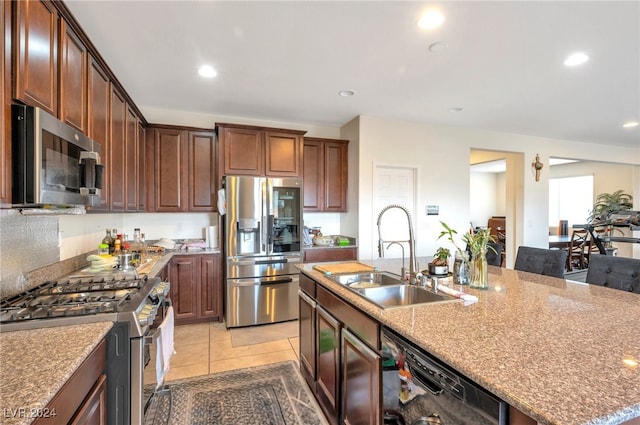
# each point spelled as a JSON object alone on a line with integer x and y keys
{"x": 411, "y": 241}
{"x": 403, "y": 270}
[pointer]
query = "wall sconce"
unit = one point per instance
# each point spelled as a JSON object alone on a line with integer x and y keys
{"x": 537, "y": 166}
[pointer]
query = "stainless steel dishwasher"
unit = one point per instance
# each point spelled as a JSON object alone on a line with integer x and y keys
{"x": 420, "y": 389}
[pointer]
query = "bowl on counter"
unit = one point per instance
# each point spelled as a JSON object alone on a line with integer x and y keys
{"x": 321, "y": 240}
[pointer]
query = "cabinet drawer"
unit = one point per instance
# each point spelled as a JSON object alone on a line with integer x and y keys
{"x": 308, "y": 285}
{"x": 359, "y": 323}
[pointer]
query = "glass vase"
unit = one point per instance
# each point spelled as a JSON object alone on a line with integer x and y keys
{"x": 461, "y": 269}
{"x": 480, "y": 271}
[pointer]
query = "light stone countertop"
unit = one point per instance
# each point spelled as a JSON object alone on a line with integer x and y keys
{"x": 553, "y": 349}
{"x": 35, "y": 364}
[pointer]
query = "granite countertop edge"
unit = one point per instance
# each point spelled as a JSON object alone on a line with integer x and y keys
{"x": 37, "y": 363}
{"x": 396, "y": 318}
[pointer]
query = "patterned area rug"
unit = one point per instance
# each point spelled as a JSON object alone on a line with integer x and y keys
{"x": 265, "y": 395}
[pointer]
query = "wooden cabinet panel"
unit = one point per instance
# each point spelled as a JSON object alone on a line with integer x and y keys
{"x": 169, "y": 162}
{"x": 131, "y": 161}
{"x": 307, "y": 332}
{"x": 241, "y": 151}
{"x": 210, "y": 287}
{"x": 327, "y": 363}
{"x": 142, "y": 166}
{"x": 73, "y": 79}
{"x": 94, "y": 409}
{"x": 325, "y": 174}
{"x": 99, "y": 93}
{"x": 361, "y": 372}
{"x": 5, "y": 96}
{"x": 184, "y": 277}
{"x": 196, "y": 287}
{"x": 202, "y": 171}
{"x": 36, "y": 68}
{"x": 313, "y": 175}
{"x": 335, "y": 176}
{"x": 283, "y": 154}
{"x": 118, "y": 111}
{"x": 319, "y": 255}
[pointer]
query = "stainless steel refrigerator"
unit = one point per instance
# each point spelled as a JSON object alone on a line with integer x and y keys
{"x": 263, "y": 243}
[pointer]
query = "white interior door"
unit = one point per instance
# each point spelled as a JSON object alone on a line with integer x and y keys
{"x": 393, "y": 185}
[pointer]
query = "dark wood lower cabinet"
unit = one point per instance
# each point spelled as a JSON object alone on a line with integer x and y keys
{"x": 307, "y": 329}
{"x": 94, "y": 409}
{"x": 327, "y": 363}
{"x": 196, "y": 288}
{"x": 361, "y": 382}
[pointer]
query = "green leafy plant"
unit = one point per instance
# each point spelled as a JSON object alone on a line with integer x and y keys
{"x": 441, "y": 257}
{"x": 449, "y": 233}
{"x": 478, "y": 241}
{"x": 607, "y": 203}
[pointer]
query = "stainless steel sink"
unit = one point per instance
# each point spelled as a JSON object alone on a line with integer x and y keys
{"x": 367, "y": 280}
{"x": 401, "y": 296}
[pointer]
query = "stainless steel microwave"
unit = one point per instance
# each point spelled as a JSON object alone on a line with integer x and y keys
{"x": 52, "y": 163}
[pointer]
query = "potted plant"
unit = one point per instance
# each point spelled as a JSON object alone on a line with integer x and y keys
{"x": 440, "y": 262}
{"x": 606, "y": 204}
{"x": 461, "y": 265}
{"x": 478, "y": 243}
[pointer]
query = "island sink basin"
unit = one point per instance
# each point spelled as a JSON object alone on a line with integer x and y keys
{"x": 401, "y": 296}
{"x": 367, "y": 280}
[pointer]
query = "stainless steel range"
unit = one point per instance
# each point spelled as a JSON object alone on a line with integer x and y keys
{"x": 131, "y": 302}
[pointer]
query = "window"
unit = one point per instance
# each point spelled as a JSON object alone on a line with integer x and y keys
{"x": 570, "y": 198}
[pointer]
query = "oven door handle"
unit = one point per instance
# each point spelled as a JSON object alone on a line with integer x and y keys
{"x": 151, "y": 339}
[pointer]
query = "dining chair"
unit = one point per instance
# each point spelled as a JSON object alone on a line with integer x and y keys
{"x": 494, "y": 256}
{"x": 577, "y": 249}
{"x": 614, "y": 272}
{"x": 549, "y": 262}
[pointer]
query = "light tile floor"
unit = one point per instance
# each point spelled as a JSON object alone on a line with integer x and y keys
{"x": 206, "y": 348}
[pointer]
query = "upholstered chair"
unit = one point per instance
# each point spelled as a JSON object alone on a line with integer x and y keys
{"x": 614, "y": 272}
{"x": 549, "y": 262}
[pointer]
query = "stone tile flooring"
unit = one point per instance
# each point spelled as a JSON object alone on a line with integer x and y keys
{"x": 206, "y": 348}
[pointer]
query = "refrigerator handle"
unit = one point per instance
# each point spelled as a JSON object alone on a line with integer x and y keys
{"x": 270, "y": 233}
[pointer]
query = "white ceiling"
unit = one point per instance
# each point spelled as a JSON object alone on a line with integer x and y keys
{"x": 287, "y": 61}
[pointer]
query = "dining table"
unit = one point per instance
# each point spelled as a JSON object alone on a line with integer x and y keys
{"x": 559, "y": 241}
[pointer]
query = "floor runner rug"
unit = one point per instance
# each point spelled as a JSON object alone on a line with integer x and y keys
{"x": 273, "y": 394}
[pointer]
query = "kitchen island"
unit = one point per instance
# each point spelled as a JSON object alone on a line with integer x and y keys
{"x": 562, "y": 353}
{"x": 35, "y": 365}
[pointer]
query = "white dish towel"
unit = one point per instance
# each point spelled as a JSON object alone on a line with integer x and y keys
{"x": 164, "y": 346}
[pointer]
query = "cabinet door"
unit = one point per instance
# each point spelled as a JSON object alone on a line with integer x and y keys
{"x": 36, "y": 68}
{"x": 116, "y": 164}
{"x": 73, "y": 79}
{"x": 170, "y": 165}
{"x": 307, "y": 333}
{"x": 327, "y": 363}
{"x": 313, "y": 175}
{"x": 361, "y": 375}
{"x": 142, "y": 168}
{"x": 5, "y": 95}
{"x": 99, "y": 92}
{"x": 210, "y": 287}
{"x": 202, "y": 171}
{"x": 335, "y": 176}
{"x": 93, "y": 410}
{"x": 184, "y": 275}
{"x": 131, "y": 160}
{"x": 241, "y": 151}
{"x": 283, "y": 154}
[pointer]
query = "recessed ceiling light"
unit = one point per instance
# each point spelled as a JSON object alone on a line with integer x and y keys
{"x": 576, "y": 59}
{"x": 347, "y": 93}
{"x": 207, "y": 71}
{"x": 431, "y": 19}
{"x": 630, "y": 124}
{"x": 456, "y": 109}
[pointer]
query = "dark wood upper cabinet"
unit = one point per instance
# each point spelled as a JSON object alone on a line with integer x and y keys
{"x": 73, "y": 79}
{"x": 5, "y": 95}
{"x": 142, "y": 166}
{"x": 259, "y": 151}
{"x": 184, "y": 169}
{"x": 99, "y": 93}
{"x": 36, "y": 68}
{"x": 131, "y": 160}
{"x": 116, "y": 170}
{"x": 169, "y": 184}
{"x": 202, "y": 171}
{"x": 325, "y": 174}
